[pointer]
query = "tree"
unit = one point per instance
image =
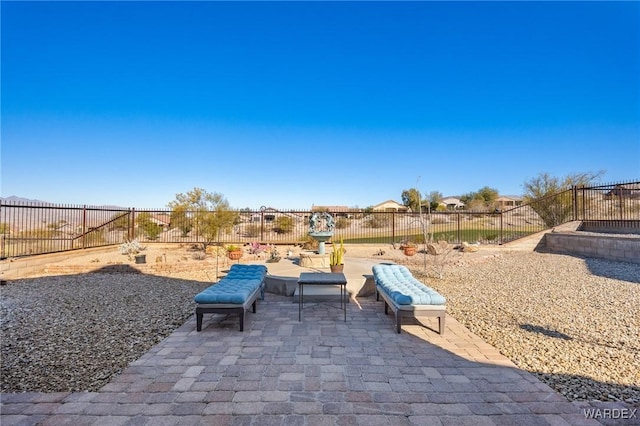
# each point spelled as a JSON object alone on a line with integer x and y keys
{"x": 146, "y": 224}
{"x": 411, "y": 199}
{"x": 210, "y": 214}
{"x": 489, "y": 195}
{"x": 483, "y": 199}
{"x": 181, "y": 220}
{"x": 434, "y": 199}
{"x": 550, "y": 198}
{"x": 544, "y": 184}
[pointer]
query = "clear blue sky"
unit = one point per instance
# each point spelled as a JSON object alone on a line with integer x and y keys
{"x": 289, "y": 104}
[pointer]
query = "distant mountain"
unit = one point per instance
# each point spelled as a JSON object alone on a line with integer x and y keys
{"x": 20, "y": 200}
{"x": 14, "y": 199}
{"x": 25, "y": 214}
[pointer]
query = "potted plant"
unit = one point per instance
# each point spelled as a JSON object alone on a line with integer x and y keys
{"x": 409, "y": 248}
{"x": 274, "y": 255}
{"x": 132, "y": 249}
{"x": 234, "y": 252}
{"x": 336, "y": 258}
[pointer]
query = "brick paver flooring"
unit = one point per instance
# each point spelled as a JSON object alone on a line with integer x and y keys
{"x": 321, "y": 371}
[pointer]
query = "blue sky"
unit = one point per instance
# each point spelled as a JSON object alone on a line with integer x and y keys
{"x": 289, "y": 104}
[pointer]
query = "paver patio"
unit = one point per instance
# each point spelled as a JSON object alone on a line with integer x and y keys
{"x": 318, "y": 371}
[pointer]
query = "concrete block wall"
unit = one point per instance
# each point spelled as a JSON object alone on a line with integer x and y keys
{"x": 612, "y": 247}
{"x": 611, "y": 226}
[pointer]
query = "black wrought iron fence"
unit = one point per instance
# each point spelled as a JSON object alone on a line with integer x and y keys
{"x": 28, "y": 229}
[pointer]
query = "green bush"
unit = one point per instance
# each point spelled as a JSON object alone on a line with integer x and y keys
{"x": 284, "y": 225}
{"x": 147, "y": 226}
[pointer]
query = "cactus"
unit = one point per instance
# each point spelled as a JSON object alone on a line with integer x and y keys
{"x": 336, "y": 257}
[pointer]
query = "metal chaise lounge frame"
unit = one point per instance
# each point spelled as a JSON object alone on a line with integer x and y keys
{"x": 407, "y": 296}
{"x": 233, "y": 294}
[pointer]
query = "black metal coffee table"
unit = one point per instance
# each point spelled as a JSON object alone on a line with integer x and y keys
{"x": 319, "y": 279}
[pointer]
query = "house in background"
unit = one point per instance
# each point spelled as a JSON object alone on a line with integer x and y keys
{"x": 452, "y": 203}
{"x": 161, "y": 219}
{"x": 390, "y": 206}
{"x": 505, "y": 202}
{"x": 629, "y": 191}
{"x": 342, "y": 211}
{"x": 269, "y": 215}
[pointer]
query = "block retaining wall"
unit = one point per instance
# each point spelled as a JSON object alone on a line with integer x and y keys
{"x": 612, "y": 247}
{"x": 611, "y": 226}
{"x": 124, "y": 268}
{"x": 25, "y": 267}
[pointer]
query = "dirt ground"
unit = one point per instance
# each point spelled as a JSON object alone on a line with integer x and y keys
{"x": 172, "y": 254}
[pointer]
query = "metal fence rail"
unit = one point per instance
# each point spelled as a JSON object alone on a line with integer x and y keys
{"x": 29, "y": 229}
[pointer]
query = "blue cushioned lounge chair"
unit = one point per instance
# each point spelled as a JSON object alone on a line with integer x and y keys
{"x": 234, "y": 293}
{"x": 407, "y": 296}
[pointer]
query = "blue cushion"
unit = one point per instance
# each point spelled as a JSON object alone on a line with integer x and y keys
{"x": 228, "y": 291}
{"x": 235, "y": 287}
{"x": 403, "y": 287}
{"x": 239, "y": 271}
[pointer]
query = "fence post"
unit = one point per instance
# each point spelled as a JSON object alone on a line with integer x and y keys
{"x": 84, "y": 225}
{"x": 458, "y": 228}
{"x": 262, "y": 224}
{"x": 574, "y": 202}
{"x": 132, "y": 221}
{"x": 393, "y": 226}
{"x": 501, "y": 228}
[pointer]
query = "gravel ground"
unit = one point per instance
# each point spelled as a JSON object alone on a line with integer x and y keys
{"x": 73, "y": 333}
{"x": 573, "y": 322}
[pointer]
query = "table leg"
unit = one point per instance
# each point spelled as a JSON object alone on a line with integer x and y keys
{"x": 300, "y": 287}
{"x": 343, "y": 298}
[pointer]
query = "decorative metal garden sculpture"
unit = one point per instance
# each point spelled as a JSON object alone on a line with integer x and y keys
{"x": 321, "y": 234}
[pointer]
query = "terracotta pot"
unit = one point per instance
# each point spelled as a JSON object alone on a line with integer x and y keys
{"x": 234, "y": 255}
{"x": 336, "y": 268}
{"x": 409, "y": 251}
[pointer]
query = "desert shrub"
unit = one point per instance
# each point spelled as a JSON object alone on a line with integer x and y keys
{"x": 148, "y": 226}
{"x": 439, "y": 219}
{"x": 216, "y": 251}
{"x": 309, "y": 243}
{"x": 284, "y": 224}
{"x": 252, "y": 230}
{"x": 342, "y": 223}
{"x": 377, "y": 221}
{"x": 199, "y": 255}
{"x": 181, "y": 221}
